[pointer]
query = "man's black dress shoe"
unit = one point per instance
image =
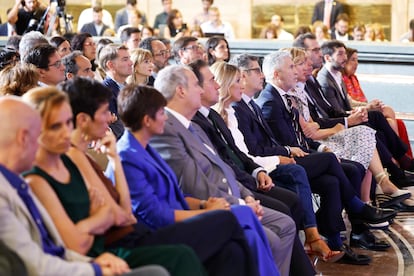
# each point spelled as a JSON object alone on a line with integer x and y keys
{"x": 367, "y": 240}
{"x": 370, "y": 214}
{"x": 350, "y": 257}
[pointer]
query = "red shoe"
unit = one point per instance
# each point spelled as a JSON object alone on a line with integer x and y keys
{"x": 331, "y": 257}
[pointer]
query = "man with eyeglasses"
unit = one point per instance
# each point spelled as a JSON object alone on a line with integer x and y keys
{"x": 187, "y": 49}
{"x": 48, "y": 63}
{"x": 160, "y": 55}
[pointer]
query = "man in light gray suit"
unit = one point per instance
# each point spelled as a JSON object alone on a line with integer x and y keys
{"x": 199, "y": 169}
{"x": 26, "y": 228}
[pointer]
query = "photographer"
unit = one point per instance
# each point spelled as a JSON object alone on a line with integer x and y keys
{"x": 24, "y": 14}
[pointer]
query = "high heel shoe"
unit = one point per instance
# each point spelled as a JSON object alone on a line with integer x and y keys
{"x": 331, "y": 257}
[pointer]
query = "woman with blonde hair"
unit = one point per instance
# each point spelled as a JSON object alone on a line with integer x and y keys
{"x": 143, "y": 66}
{"x": 228, "y": 77}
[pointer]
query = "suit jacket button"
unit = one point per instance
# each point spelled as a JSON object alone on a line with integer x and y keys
{"x": 224, "y": 180}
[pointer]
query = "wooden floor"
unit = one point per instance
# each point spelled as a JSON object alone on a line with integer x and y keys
{"x": 396, "y": 261}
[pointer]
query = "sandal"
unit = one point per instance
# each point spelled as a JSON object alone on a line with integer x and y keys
{"x": 385, "y": 200}
{"x": 331, "y": 257}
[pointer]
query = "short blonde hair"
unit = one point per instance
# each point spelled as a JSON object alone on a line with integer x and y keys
{"x": 138, "y": 56}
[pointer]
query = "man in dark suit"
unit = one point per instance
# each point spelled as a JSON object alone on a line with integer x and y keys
{"x": 121, "y": 16}
{"x": 333, "y": 9}
{"x": 324, "y": 171}
{"x": 252, "y": 175}
{"x": 115, "y": 60}
{"x": 336, "y": 97}
{"x": 199, "y": 169}
{"x": 96, "y": 27}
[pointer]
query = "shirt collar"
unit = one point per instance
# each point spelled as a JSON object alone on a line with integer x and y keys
{"x": 14, "y": 180}
{"x": 183, "y": 120}
{"x": 278, "y": 89}
{"x": 204, "y": 110}
{"x": 246, "y": 98}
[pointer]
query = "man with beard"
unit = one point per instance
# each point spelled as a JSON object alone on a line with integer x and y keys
{"x": 23, "y": 12}
{"x": 340, "y": 30}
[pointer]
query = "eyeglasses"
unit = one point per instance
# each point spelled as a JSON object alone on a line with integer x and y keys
{"x": 57, "y": 64}
{"x": 89, "y": 43}
{"x": 193, "y": 47}
{"x": 257, "y": 70}
{"x": 162, "y": 53}
{"x": 315, "y": 50}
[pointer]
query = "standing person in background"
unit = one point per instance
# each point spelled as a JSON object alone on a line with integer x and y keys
{"x": 122, "y": 15}
{"x": 203, "y": 16}
{"x": 23, "y": 13}
{"x": 160, "y": 55}
{"x": 86, "y": 15}
{"x": 216, "y": 25}
{"x": 161, "y": 18}
{"x": 327, "y": 11}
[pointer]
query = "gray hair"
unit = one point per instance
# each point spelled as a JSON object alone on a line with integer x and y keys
{"x": 273, "y": 62}
{"x": 70, "y": 62}
{"x": 29, "y": 41}
{"x": 169, "y": 78}
{"x": 243, "y": 60}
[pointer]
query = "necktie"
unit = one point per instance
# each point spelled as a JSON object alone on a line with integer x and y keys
{"x": 23, "y": 191}
{"x": 230, "y": 153}
{"x": 294, "y": 115}
{"x": 256, "y": 110}
{"x": 229, "y": 178}
{"x": 327, "y": 14}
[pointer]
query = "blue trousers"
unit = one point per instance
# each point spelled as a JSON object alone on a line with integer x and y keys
{"x": 293, "y": 177}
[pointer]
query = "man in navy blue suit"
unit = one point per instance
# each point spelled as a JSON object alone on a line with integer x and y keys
{"x": 324, "y": 171}
{"x": 115, "y": 60}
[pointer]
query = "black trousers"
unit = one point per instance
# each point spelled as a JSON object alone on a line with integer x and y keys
{"x": 216, "y": 237}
